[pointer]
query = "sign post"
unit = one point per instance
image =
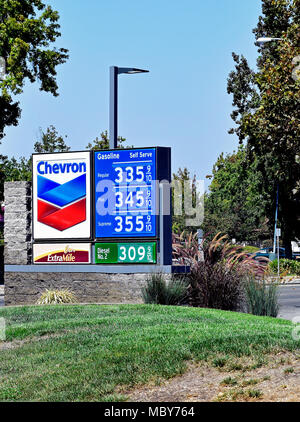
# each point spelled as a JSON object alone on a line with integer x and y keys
{"x": 278, "y": 234}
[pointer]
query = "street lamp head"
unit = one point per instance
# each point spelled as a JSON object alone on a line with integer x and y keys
{"x": 131, "y": 70}
{"x": 263, "y": 40}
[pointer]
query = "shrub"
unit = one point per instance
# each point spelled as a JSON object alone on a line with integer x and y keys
{"x": 158, "y": 291}
{"x": 54, "y": 297}
{"x": 261, "y": 299}
{"x": 286, "y": 266}
{"x": 176, "y": 291}
{"x": 217, "y": 270}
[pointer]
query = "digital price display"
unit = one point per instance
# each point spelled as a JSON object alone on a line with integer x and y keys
{"x": 128, "y": 253}
{"x": 125, "y": 193}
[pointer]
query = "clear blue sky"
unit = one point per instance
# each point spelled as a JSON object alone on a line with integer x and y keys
{"x": 181, "y": 103}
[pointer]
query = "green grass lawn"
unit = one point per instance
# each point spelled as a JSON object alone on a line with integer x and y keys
{"x": 250, "y": 249}
{"x": 83, "y": 353}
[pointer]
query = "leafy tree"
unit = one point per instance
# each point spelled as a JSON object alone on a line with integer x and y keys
{"x": 103, "y": 142}
{"x": 50, "y": 141}
{"x": 188, "y": 187}
{"x": 28, "y": 28}
{"x": 16, "y": 170}
{"x": 9, "y": 113}
{"x": 267, "y": 113}
{"x": 234, "y": 205}
{"x": 13, "y": 170}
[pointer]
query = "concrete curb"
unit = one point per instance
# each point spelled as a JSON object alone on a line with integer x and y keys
{"x": 290, "y": 284}
{"x": 77, "y": 304}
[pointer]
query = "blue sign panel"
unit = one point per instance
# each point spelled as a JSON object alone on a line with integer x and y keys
{"x": 125, "y": 193}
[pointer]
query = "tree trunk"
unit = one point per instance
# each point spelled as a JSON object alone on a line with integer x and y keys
{"x": 288, "y": 218}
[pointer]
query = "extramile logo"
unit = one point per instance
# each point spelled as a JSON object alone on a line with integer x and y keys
{"x": 61, "y": 205}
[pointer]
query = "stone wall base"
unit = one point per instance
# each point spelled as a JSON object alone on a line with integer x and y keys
{"x": 25, "y": 288}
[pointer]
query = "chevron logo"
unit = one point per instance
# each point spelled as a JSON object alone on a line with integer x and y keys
{"x": 61, "y": 206}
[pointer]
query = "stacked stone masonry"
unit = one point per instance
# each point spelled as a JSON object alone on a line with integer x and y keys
{"x": 26, "y": 288}
{"x": 17, "y": 223}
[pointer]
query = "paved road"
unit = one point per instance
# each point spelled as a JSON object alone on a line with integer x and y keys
{"x": 289, "y": 301}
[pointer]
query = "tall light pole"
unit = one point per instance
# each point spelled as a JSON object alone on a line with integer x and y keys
{"x": 261, "y": 41}
{"x": 114, "y": 71}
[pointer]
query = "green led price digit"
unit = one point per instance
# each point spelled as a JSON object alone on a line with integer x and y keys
{"x": 132, "y": 253}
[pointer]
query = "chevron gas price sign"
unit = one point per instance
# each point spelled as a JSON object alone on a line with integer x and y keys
{"x": 125, "y": 193}
{"x": 109, "y": 197}
{"x": 61, "y": 196}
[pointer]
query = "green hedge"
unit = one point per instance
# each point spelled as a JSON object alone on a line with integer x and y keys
{"x": 289, "y": 266}
{"x": 250, "y": 249}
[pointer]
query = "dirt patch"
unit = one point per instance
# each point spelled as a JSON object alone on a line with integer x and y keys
{"x": 8, "y": 345}
{"x": 277, "y": 379}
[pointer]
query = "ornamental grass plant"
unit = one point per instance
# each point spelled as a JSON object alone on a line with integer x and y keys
{"x": 55, "y": 297}
{"x": 261, "y": 299}
{"x": 162, "y": 292}
{"x": 218, "y": 270}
